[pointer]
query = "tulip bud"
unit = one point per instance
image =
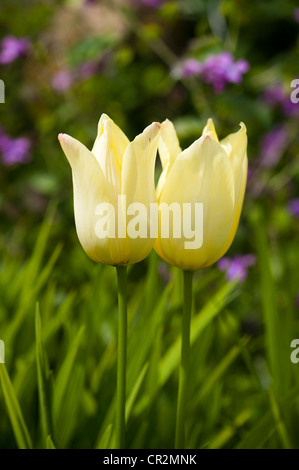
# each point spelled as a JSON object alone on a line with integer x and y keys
{"x": 112, "y": 176}
{"x": 209, "y": 172}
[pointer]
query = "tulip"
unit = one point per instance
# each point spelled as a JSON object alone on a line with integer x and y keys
{"x": 112, "y": 168}
{"x": 213, "y": 174}
{"x": 209, "y": 172}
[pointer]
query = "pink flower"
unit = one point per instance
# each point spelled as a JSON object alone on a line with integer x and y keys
{"x": 12, "y": 48}
{"x": 237, "y": 267}
{"x": 14, "y": 150}
{"x": 62, "y": 81}
{"x": 217, "y": 70}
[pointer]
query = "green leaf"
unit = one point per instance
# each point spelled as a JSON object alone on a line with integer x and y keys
{"x": 106, "y": 439}
{"x": 277, "y": 359}
{"x": 171, "y": 359}
{"x": 43, "y": 381}
{"x": 265, "y": 427}
{"x": 50, "y": 444}
{"x": 221, "y": 369}
{"x": 14, "y": 411}
{"x": 64, "y": 375}
{"x": 135, "y": 390}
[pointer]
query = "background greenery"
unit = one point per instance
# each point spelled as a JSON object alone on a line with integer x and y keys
{"x": 58, "y": 309}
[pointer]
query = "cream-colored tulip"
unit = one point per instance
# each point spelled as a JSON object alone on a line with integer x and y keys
{"x": 209, "y": 172}
{"x": 112, "y": 168}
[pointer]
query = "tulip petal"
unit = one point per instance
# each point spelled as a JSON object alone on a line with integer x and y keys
{"x": 119, "y": 139}
{"x": 237, "y": 213}
{"x": 169, "y": 148}
{"x": 209, "y": 129}
{"x": 202, "y": 174}
{"x": 108, "y": 149}
{"x": 138, "y": 182}
{"x": 235, "y": 146}
{"x": 90, "y": 189}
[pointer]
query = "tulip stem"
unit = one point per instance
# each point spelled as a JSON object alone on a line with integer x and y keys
{"x": 121, "y": 357}
{"x": 184, "y": 365}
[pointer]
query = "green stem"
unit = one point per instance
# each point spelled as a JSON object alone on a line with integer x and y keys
{"x": 121, "y": 357}
{"x": 184, "y": 365}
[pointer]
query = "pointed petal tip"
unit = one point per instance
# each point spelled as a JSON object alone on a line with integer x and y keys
{"x": 64, "y": 137}
{"x": 107, "y": 123}
{"x": 102, "y": 122}
{"x": 156, "y": 125}
{"x": 167, "y": 122}
{"x": 206, "y": 136}
{"x": 154, "y": 129}
{"x": 243, "y": 127}
{"x": 104, "y": 119}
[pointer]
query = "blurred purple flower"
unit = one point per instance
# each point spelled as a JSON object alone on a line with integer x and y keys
{"x": 149, "y": 3}
{"x": 293, "y": 207}
{"x": 153, "y": 3}
{"x": 289, "y": 108}
{"x": 14, "y": 150}
{"x": 250, "y": 172}
{"x": 216, "y": 70}
{"x": 236, "y": 70}
{"x": 86, "y": 70}
{"x": 62, "y": 81}
{"x": 65, "y": 78}
{"x": 164, "y": 272}
{"x": 296, "y": 15}
{"x": 272, "y": 146}
{"x": 191, "y": 68}
{"x": 276, "y": 96}
{"x": 237, "y": 267}
{"x": 12, "y": 48}
{"x": 220, "y": 69}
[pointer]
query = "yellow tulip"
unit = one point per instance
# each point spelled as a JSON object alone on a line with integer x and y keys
{"x": 112, "y": 168}
{"x": 209, "y": 172}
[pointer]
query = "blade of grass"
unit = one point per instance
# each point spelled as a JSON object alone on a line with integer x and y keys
{"x": 274, "y": 345}
{"x": 64, "y": 374}
{"x": 14, "y": 411}
{"x": 280, "y": 425}
{"x": 43, "y": 381}
{"x": 265, "y": 427}
{"x": 50, "y": 444}
{"x": 106, "y": 439}
{"x": 131, "y": 399}
{"x": 221, "y": 368}
{"x": 171, "y": 359}
{"x": 32, "y": 292}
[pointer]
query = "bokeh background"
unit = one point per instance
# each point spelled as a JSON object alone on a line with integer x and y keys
{"x": 64, "y": 63}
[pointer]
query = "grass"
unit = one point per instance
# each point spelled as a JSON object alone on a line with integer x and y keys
{"x": 58, "y": 320}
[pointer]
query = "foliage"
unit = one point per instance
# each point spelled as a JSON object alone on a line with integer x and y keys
{"x": 58, "y": 309}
